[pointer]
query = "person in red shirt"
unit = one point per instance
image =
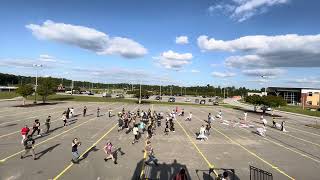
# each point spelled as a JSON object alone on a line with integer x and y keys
{"x": 24, "y": 132}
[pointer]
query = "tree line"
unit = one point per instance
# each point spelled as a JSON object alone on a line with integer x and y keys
{"x": 207, "y": 90}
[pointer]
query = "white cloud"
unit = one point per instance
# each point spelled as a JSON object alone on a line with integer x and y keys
{"x": 173, "y": 60}
{"x": 195, "y": 71}
{"x": 182, "y": 40}
{"x": 263, "y": 72}
{"x": 87, "y": 38}
{"x": 223, "y": 74}
{"x": 306, "y": 81}
{"x": 289, "y": 50}
{"x": 241, "y": 10}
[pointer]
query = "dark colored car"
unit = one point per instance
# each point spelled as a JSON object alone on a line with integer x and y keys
{"x": 158, "y": 98}
{"x": 215, "y": 103}
{"x": 172, "y": 99}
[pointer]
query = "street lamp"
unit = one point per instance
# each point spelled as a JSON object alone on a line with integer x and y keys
{"x": 265, "y": 89}
{"x": 36, "y": 66}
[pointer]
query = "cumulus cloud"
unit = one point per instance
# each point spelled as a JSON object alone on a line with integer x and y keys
{"x": 173, "y": 60}
{"x": 241, "y": 10}
{"x": 87, "y": 38}
{"x": 195, "y": 71}
{"x": 182, "y": 40}
{"x": 289, "y": 50}
{"x": 263, "y": 72}
{"x": 307, "y": 81}
{"x": 223, "y": 74}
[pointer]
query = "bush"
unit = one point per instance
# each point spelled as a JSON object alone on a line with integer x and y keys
{"x": 272, "y": 101}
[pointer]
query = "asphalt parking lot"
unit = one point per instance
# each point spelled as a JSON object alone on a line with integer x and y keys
{"x": 291, "y": 155}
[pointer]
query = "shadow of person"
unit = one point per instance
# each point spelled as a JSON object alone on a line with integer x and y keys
{"x": 115, "y": 153}
{"x": 93, "y": 149}
{"x": 43, "y": 152}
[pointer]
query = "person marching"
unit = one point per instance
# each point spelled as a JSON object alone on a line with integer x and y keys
{"x": 150, "y": 153}
{"x": 72, "y": 112}
{"x": 24, "y": 133}
{"x": 36, "y": 127}
{"x": 67, "y": 113}
{"x": 108, "y": 150}
{"x": 75, "y": 154}
{"x": 47, "y": 123}
{"x": 84, "y": 111}
{"x": 64, "y": 118}
{"x": 98, "y": 112}
{"x": 28, "y": 147}
{"x": 135, "y": 131}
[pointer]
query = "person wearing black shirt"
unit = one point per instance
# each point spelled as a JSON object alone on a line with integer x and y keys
{"x": 29, "y": 147}
{"x": 36, "y": 127}
{"x": 75, "y": 155}
{"x": 84, "y": 111}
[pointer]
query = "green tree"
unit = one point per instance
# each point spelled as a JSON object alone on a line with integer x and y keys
{"x": 47, "y": 87}
{"x": 273, "y": 101}
{"x": 25, "y": 91}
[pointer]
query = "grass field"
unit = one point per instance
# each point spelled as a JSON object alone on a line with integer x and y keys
{"x": 299, "y": 110}
{"x": 8, "y": 95}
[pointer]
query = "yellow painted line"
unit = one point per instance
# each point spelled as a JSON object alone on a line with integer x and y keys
{"x": 71, "y": 164}
{"x": 15, "y": 154}
{"x": 283, "y": 146}
{"x": 85, "y": 152}
{"x": 304, "y": 131}
{"x": 250, "y": 152}
{"x": 5, "y": 135}
{"x": 144, "y": 159}
{"x": 254, "y": 121}
{"x": 194, "y": 144}
{"x": 255, "y": 155}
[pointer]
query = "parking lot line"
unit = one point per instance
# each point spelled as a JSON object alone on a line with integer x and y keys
{"x": 301, "y": 139}
{"x": 94, "y": 144}
{"x": 10, "y": 121}
{"x": 85, "y": 152}
{"x": 5, "y": 135}
{"x": 144, "y": 159}
{"x": 304, "y": 131}
{"x": 252, "y": 153}
{"x": 17, "y": 153}
{"x": 197, "y": 148}
{"x": 283, "y": 146}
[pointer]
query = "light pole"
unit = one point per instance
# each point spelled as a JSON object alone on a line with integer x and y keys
{"x": 265, "y": 89}
{"x": 36, "y": 87}
{"x": 140, "y": 93}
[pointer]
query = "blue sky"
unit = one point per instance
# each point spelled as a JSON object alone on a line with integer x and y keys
{"x": 186, "y": 43}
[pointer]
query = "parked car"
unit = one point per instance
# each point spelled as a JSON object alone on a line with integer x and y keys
{"x": 158, "y": 98}
{"x": 187, "y": 100}
{"x": 215, "y": 103}
{"x": 90, "y": 93}
{"x": 202, "y": 101}
{"x": 265, "y": 108}
{"x": 68, "y": 92}
{"x": 145, "y": 97}
{"x": 119, "y": 96}
{"x": 106, "y": 95}
{"x": 172, "y": 99}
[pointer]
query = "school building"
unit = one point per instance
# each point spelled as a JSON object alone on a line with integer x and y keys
{"x": 298, "y": 96}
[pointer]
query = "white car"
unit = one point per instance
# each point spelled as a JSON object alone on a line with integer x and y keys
{"x": 187, "y": 100}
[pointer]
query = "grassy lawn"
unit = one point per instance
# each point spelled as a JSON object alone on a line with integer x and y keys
{"x": 101, "y": 99}
{"x": 299, "y": 110}
{"x": 8, "y": 95}
{"x": 230, "y": 106}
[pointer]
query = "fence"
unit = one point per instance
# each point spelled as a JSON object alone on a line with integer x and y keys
{"x": 259, "y": 174}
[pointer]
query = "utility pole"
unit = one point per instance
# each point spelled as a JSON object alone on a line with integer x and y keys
{"x": 140, "y": 93}
{"x": 36, "y": 87}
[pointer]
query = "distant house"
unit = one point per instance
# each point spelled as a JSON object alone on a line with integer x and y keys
{"x": 7, "y": 88}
